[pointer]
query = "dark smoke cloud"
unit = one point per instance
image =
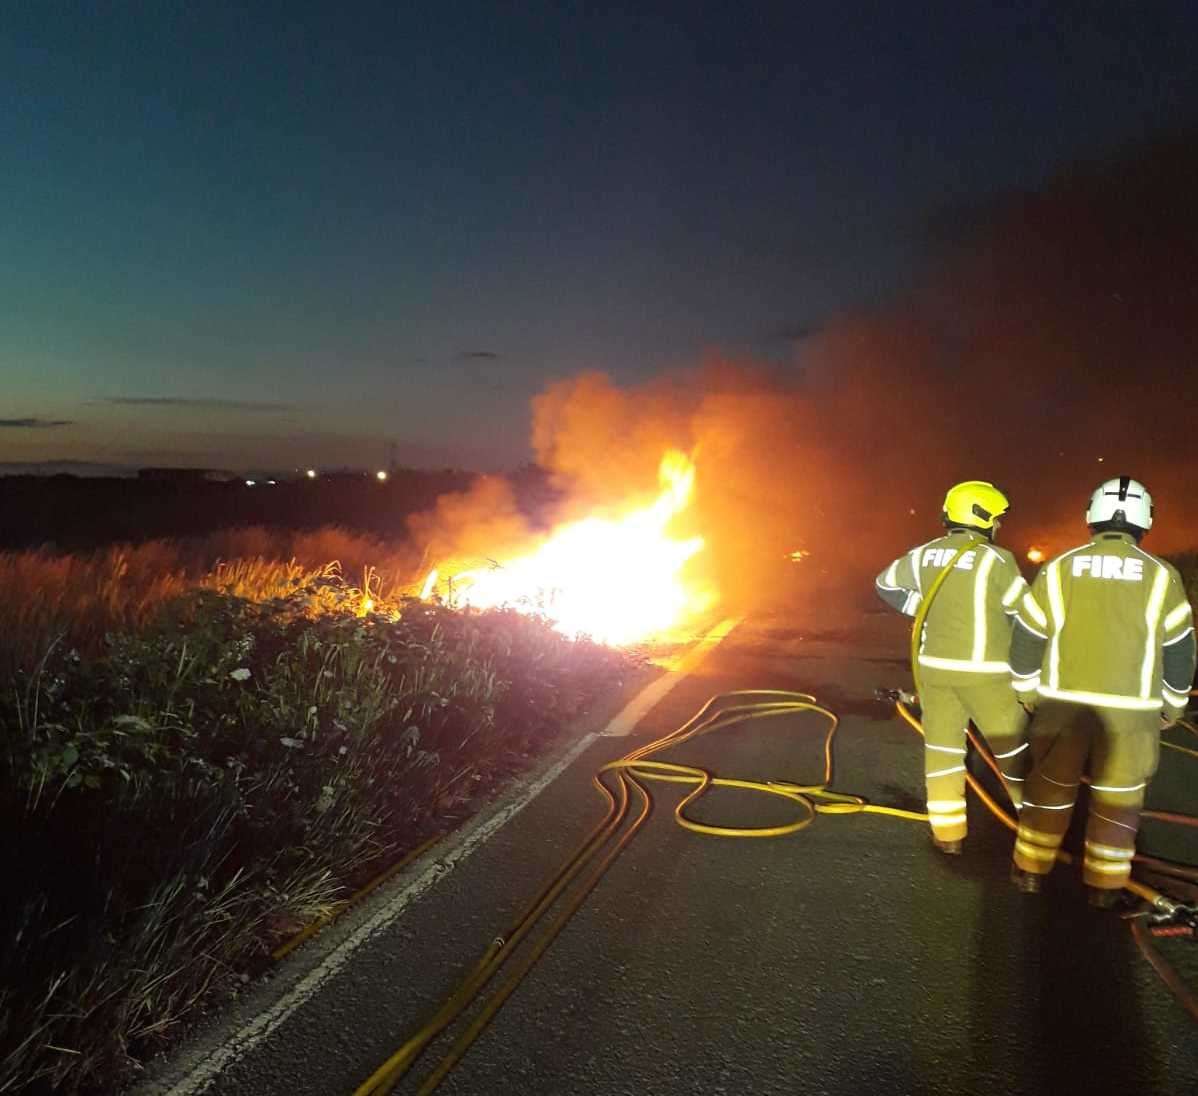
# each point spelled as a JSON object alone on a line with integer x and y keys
{"x": 1062, "y": 329}
{"x": 1053, "y": 328}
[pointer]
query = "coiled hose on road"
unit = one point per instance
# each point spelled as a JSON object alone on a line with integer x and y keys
{"x": 627, "y": 777}
{"x": 621, "y": 783}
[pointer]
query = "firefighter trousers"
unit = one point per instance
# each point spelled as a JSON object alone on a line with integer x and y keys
{"x": 949, "y": 702}
{"x": 1119, "y": 750}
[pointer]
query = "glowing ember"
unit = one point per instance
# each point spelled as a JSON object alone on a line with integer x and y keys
{"x": 618, "y": 580}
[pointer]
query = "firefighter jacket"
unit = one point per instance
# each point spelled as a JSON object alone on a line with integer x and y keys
{"x": 1106, "y": 625}
{"x": 968, "y": 627}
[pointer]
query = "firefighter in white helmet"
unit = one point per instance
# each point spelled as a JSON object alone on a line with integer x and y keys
{"x": 1104, "y": 649}
{"x": 963, "y": 670}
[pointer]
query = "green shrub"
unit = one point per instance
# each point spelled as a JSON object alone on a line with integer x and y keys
{"x": 199, "y": 788}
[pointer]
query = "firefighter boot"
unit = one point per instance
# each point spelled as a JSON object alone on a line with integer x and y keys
{"x": 949, "y": 848}
{"x": 1103, "y": 898}
{"x": 1026, "y": 882}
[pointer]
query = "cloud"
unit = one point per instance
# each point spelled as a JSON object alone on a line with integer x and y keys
{"x": 199, "y": 404}
{"x": 34, "y": 424}
{"x": 479, "y": 355}
{"x": 1044, "y": 352}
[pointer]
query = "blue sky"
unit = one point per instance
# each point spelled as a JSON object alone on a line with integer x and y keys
{"x": 287, "y": 233}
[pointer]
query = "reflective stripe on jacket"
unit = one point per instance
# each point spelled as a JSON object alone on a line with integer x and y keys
{"x": 968, "y": 629}
{"x": 1109, "y": 625}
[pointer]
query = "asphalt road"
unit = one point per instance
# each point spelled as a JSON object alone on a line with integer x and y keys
{"x": 850, "y": 958}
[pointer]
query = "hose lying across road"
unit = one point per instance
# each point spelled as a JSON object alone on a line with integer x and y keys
{"x": 620, "y": 782}
{"x": 622, "y": 786}
{"x": 1156, "y": 900}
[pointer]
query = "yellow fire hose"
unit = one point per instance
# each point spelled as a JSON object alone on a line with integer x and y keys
{"x": 613, "y": 833}
{"x": 598, "y": 851}
{"x": 1157, "y": 899}
{"x": 605, "y": 842}
{"x": 925, "y": 604}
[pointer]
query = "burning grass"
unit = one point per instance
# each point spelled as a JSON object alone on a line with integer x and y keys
{"x": 79, "y": 599}
{"x": 197, "y": 763}
{"x": 621, "y": 577}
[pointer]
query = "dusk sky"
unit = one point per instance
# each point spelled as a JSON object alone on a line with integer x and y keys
{"x": 275, "y": 234}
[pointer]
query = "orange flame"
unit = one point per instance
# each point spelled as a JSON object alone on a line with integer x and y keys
{"x": 619, "y": 580}
{"x": 1035, "y": 555}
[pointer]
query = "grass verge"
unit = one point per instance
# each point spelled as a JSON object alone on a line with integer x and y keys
{"x": 194, "y": 778}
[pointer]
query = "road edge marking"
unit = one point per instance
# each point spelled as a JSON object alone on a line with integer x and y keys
{"x": 212, "y": 1063}
{"x": 208, "y": 1064}
{"x": 652, "y": 694}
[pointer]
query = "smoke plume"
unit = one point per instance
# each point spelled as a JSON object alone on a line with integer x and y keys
{"x": 1049, "y": 347}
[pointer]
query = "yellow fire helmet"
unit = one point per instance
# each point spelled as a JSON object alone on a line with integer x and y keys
{"x": 975, "y": 504}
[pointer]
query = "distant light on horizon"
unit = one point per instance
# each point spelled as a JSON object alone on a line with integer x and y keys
{"x": 311, "y": 473}
{"x": 250, "y": 483}
{"x": 381, "y": 475}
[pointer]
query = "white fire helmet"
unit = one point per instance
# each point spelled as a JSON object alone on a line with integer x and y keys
{"x": 1121, "y": 501}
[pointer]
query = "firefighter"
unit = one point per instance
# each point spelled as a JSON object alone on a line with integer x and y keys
{"x": 963, "y": 669}
{"x": 1104, "y": 650}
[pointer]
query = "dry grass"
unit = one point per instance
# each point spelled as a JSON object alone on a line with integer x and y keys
{"x": 205, "y": 744}
{"x": 80, "y": 599}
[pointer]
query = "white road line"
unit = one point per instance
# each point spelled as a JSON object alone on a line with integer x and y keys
{"x": 442, "y": 860}
{"x": 472, "y": 837}
{"x": 652, "y": 694}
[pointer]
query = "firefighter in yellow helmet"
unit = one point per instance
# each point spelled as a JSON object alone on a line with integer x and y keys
{"x": 963, "y": 669}
{"x": 1104, "y": 649}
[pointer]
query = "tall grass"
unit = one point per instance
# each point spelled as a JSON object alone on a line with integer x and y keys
{"x": 196, "y": 762}
{"x": 79, "y": 599}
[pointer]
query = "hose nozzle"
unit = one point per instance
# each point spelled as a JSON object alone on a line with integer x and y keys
{"x": 1166, "y": 907}
{"x": 1173, "y": 918}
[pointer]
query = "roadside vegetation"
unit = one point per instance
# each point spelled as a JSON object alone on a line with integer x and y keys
{"x": 205, "y": 751}
{"x": 80, "y": 598}
{"x": 208, "y": 744}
